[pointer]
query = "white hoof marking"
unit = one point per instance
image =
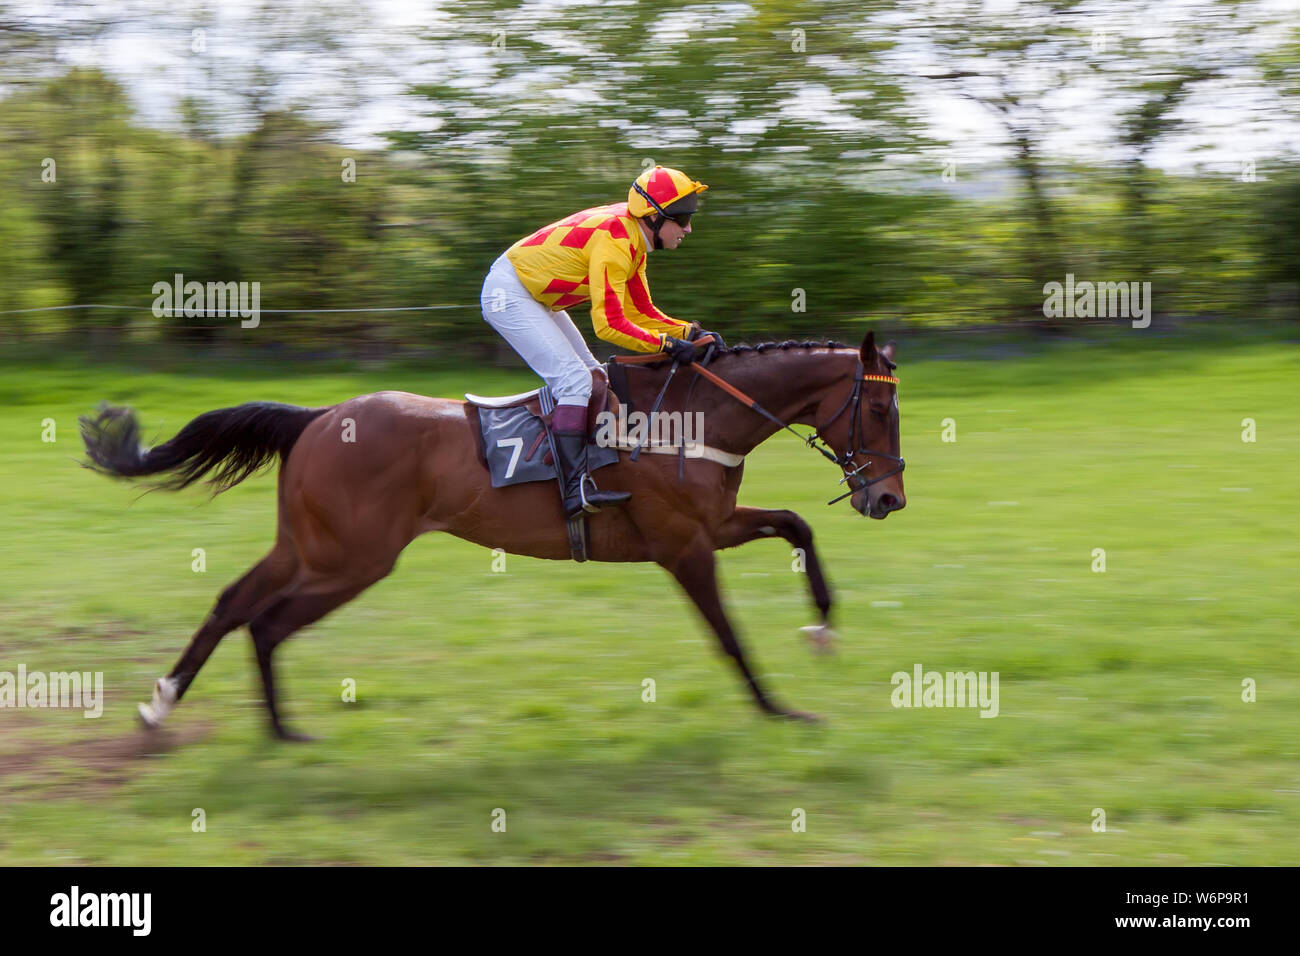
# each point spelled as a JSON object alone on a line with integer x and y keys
{"x": 164, "y": 699}
{"x": 822, "y": 637}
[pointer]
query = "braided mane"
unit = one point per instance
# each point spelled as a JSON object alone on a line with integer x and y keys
{"x": 762, "y": 347}
{"x": 768, "y": 346}
{"x": 787, "y": 344}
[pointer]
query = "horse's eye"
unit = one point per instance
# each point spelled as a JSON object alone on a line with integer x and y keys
{"x": 879, "y": 410}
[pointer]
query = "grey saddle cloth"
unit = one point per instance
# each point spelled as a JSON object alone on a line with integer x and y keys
{"x": 517, "y": 451}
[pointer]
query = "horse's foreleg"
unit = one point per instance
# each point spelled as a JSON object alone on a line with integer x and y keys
{"x": 696, "y": 572}
{"x": 752, "y": 524}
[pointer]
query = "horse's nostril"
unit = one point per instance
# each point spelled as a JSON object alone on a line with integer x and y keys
{"x": 888, "y": 503}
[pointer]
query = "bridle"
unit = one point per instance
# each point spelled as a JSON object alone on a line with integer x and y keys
{"x": 856, "y": 479}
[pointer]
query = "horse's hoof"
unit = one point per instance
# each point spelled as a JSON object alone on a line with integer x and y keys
{"x": 153, "y": 713}
{"x": 821, "y": 637}
{"x": 147, "y": 717}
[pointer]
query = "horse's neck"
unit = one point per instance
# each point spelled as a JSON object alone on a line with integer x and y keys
{"x": 790, "y": 384}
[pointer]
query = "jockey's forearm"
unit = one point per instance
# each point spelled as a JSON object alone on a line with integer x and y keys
{"x": 646, "y": 341}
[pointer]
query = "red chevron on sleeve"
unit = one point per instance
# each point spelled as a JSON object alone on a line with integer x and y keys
{"x": 618, "y": 321}
{"x": 641, "y": 298}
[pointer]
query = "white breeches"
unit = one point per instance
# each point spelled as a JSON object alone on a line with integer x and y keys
{"x": 548, "y": 341}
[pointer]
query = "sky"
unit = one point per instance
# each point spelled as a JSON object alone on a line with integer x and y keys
{"x": 390, "y": 44}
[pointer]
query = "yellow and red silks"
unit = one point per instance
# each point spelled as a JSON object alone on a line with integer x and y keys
{"x": 597, "y": 254}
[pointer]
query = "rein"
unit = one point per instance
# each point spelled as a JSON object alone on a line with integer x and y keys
{"x": 855, "y": 478}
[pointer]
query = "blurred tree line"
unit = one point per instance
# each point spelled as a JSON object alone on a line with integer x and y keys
{"x": 831, "y": 201}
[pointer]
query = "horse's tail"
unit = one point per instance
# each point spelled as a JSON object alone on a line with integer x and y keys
{"x": 238, "y": 441}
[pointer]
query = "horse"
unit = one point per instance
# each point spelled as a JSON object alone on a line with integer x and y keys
{"x": 358, "y": 481}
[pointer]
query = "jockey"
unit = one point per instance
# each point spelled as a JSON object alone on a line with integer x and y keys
{"x": 597, "y": 254}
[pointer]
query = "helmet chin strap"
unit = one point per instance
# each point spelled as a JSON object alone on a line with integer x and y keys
{"x": 661, "y": 217}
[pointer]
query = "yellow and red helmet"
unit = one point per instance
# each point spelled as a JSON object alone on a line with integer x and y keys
{"x": 665, "y": 191}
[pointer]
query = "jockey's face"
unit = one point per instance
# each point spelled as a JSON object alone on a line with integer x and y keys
{"x": 672, "y": 234}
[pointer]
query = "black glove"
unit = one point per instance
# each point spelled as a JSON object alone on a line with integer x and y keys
{"x": 680, "y": 351}
{"x": 698, "y": 333}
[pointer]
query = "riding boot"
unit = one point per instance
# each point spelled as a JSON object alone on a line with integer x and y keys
{"x": 580, "y": 492}
{"x": 569, "y": 427}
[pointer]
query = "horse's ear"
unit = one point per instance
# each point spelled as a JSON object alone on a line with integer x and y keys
{"x": 888, "y": 352}
{"x": 868, "y": 351}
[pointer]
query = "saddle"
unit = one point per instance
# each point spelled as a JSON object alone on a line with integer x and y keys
{"x": 533, "y": 401}
{"x": 511, "y": 430}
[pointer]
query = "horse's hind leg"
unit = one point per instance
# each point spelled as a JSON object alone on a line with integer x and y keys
{"x": 282, "y": 619}
{"x": 237, "y": 605}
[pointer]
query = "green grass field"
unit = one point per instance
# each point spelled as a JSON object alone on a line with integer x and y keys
{"x": 522, "y": 690}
